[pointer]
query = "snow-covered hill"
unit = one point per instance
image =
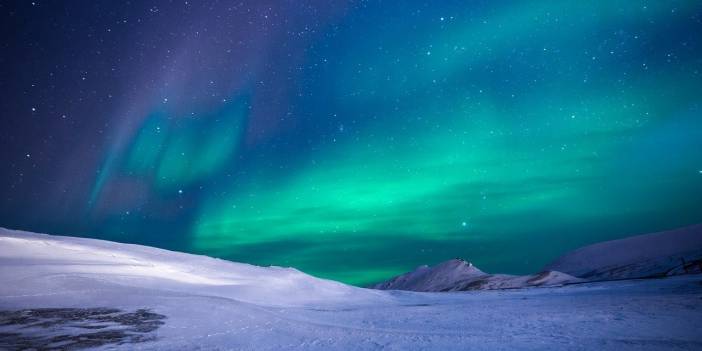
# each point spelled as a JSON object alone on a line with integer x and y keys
{"x": 55, "y": 257}
{"x": 459, "y": 275}
{"x": 68, "y": 293}
{"x": 659, "y": 254}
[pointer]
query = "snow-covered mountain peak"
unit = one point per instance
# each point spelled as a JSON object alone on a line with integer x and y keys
{"x": 667, "y": 253}
{"x": 458, "y": 275}
{"x": 459, "y": 266}
{"x": 436, "y": 278}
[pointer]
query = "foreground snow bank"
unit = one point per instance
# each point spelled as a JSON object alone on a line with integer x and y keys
{"x": 70, "y": 292}
{"x": 27, "y": 255}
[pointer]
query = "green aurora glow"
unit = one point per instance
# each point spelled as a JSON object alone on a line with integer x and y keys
{"x": 504, "y": 134}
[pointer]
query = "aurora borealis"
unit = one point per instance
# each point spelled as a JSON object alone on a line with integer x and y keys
{"x": 353, "y": 140}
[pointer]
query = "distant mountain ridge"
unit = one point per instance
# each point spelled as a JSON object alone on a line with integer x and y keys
{"x": 460, "y": 275}
{"x": 666, "y": 253}
{"x": 660, "y": 254}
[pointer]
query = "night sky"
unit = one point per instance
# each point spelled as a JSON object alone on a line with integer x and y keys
{"x": 352, "y": 140}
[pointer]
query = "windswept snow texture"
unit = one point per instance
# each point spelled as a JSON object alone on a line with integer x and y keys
{"x": 209, "y": 304}
{"x": 459, "y": 275}
{"x": 75, "y": 328}
{"x": 659, "y": 254}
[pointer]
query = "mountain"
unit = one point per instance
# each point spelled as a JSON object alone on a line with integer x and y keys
{"x": 460, "y": 275}
{"x": 666, "y": 253}
{"x": 438, "y": 278}
{"x": 658, "y": 254}
{"x": 64, "y": 293}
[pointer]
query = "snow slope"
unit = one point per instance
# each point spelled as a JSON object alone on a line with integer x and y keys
{"x": 69, "y": 292}
{"x": 138, "y": 266}
{"x": 659, "y": 254}
{"x": 459, "y": 275}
